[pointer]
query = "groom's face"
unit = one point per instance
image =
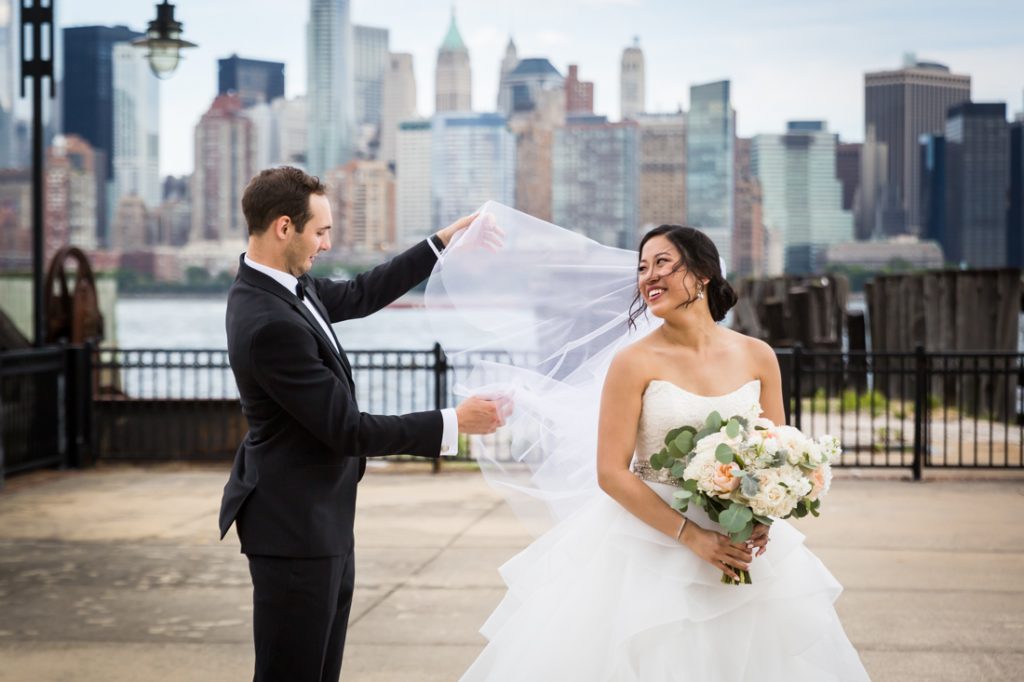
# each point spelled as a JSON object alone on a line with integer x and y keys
{"x": 303, "y": 247}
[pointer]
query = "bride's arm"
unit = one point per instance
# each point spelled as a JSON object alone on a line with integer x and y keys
{"x": 616, "y": 440}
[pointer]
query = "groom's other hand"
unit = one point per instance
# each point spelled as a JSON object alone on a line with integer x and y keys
{"x": 478, "y": 416}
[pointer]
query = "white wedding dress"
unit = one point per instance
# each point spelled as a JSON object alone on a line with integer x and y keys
{"x": 604, "y": 597}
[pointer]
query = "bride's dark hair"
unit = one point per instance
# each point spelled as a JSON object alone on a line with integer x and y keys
{"x": 698, "y": 254}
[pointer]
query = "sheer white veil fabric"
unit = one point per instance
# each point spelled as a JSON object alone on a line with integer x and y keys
{"x": 551, "y": 307}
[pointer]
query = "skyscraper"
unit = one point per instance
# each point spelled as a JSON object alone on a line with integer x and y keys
{"x": 801, "y": 197}
{"x": 848, "y": 171}
{"x": 412, "y": 163}
{"x": 508, "y": 64}
{"x": 710, "y": 154}
{"x": 225, "y": 162}
{"x": 253, "y": 80}
{"x": 362, "y": 195}
{"x": 534, "y": 131}
{"x": 748, "y": 238}
{"x": 371, "y": 63}
{"x": 527, "y": 80}
{"x": 472, "y": 160}
{"x": 977, "y": 180}
{"x": 398, "y": 102}
{"x": 662, "y": 189}
{"x": 88, "y": 96}
{"x": 330, "y": 91}
{"x": 72, "y": 171}
{"x": 453, "y": 80}
{"x": 632, "y": 93}
{"x": 136, "y": 141}
{"x": 594, "y": 179}
{"x": 899, "y": 107}
{"x": 579, "y": 95}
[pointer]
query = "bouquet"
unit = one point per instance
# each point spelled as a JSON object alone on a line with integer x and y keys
{"x": 746, "y": 470}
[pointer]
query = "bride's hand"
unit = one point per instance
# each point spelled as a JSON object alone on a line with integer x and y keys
{"x": 716, "y": 549}
{"x": 759, "y": 539}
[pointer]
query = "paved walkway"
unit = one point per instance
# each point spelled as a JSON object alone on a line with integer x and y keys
{"x": 116, "y": 574}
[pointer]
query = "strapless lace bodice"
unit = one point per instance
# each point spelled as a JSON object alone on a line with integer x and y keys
{"x": 667, "y": 406}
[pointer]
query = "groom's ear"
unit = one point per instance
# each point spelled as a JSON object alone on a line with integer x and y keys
{"x": 282, "y": 227}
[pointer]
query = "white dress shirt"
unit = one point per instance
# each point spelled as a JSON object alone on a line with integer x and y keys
{"x": 450, "y": 433}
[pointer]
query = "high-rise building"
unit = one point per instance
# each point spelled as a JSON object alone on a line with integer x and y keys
{"x": 528, "y": 80}
{"x": 534, "y": 131}
{"x": 73, "y": 186}
{"x": 362, "y": 196}
{"x": 412, "y": 182}
{"x": 289, "y": 135}
{"x": 174, "y": 217}
{"x": 748, "y": 237}
{"x": 594, "y": 185}
{"x": 1015, "y": 211}
{"x": 801, "y": 197}
{"x": 8, "y": 81}
{"x": 371, "y": 63}
{"x": 899, "y": 107}
{"x": 136, "y": 141}
{"x": 330, "y": 79}
{"x": 87, "y": 99}
{"x": 132, "y": 229}
{"x": 253, "y": 80}
{"x": 472, "y": 160}
{"x": 399, "y": 102}
{"x": 15, "y": 218}
{"x": 453, "y": 79}
{"x": 872, "y": 194}
{"x": 579, "y": 95}
{"x": 662, "y": 188}
{"x": 225, "y": 162}
{"x": 977, "y": 180}
{"x": 710, "y": 155}
{"x": 933, "y": 189}
{"x": 848, "y": 171}
{"x": 508, "y": 64}
{"x": 632, "y": 94}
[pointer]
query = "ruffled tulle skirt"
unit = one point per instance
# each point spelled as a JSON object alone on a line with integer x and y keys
{"x": 605, "y": 597}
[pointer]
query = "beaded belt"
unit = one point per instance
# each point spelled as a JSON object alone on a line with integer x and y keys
{"x": 643, "y": 470}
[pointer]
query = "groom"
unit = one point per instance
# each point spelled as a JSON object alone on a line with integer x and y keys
{"x": 292, "y": 489}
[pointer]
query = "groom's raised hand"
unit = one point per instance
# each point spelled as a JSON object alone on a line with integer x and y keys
{"x": 478, "y": 416}
{"x": 482, "y": 231}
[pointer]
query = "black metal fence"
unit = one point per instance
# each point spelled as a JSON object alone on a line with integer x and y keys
{"x": 62, "y": 406}
{"x": 45, "y": 418}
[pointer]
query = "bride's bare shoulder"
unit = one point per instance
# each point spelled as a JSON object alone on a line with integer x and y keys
{"x": 634, "y": 359}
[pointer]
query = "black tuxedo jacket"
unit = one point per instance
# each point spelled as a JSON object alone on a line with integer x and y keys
{"x": 292, "y": 489}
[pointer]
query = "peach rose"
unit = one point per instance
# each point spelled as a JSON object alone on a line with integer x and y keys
{"x": 724, "y": 477}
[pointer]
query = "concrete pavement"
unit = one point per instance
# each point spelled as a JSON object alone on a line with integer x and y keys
{"x": 116, "y": 574}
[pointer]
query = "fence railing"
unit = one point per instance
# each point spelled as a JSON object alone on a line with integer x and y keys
{"x": 64, "y": 406}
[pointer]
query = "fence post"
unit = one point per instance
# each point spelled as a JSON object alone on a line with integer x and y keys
{"x": 797, "y": 389}
{"x": 440, "y": 388}
{"x": 1, "y": 424}
{"x": 78, "y": 404}
{"x": 920, "y": 405}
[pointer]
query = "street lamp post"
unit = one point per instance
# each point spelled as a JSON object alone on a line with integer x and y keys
{"x": 163, "y": 40}
{"x": 34, "y": 16}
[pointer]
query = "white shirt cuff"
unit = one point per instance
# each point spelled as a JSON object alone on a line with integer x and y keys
{"x": 433, "y": 247}
{"x": 450, "y": 434}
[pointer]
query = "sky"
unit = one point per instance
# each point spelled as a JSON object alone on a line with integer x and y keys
{"x": 787, "y": 59}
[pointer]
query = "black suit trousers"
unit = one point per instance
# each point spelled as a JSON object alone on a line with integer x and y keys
{"x": 300, "y": 616}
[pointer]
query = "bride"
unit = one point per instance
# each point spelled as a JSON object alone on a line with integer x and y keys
{"x": 622, "y": 587}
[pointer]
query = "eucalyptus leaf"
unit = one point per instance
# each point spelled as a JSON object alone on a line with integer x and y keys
{"x": 735, "y": 518}
{"x": 678, "y": 469}
{"x": 732, "y": 429}
{"x": 749, "y": 486}
{"x": 690, "y": 485}
{"x": 713, "y": 422}
{"x": 763, "y": 519}
{"x": 684, "y": 441}
{"x": 743, "y": 534}
{"x": 671, "y": 435}
{"x": 673, "y": 452}
{"x": 725, "y": 454}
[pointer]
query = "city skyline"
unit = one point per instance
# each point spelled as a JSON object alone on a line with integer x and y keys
{"x": 796, "y": 78}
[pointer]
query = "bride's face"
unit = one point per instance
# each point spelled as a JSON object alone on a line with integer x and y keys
{"x": 664, "y": 282}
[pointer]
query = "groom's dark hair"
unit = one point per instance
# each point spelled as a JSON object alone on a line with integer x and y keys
{"x": 276, "y": 192}
{"x": 699, "y": 255}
